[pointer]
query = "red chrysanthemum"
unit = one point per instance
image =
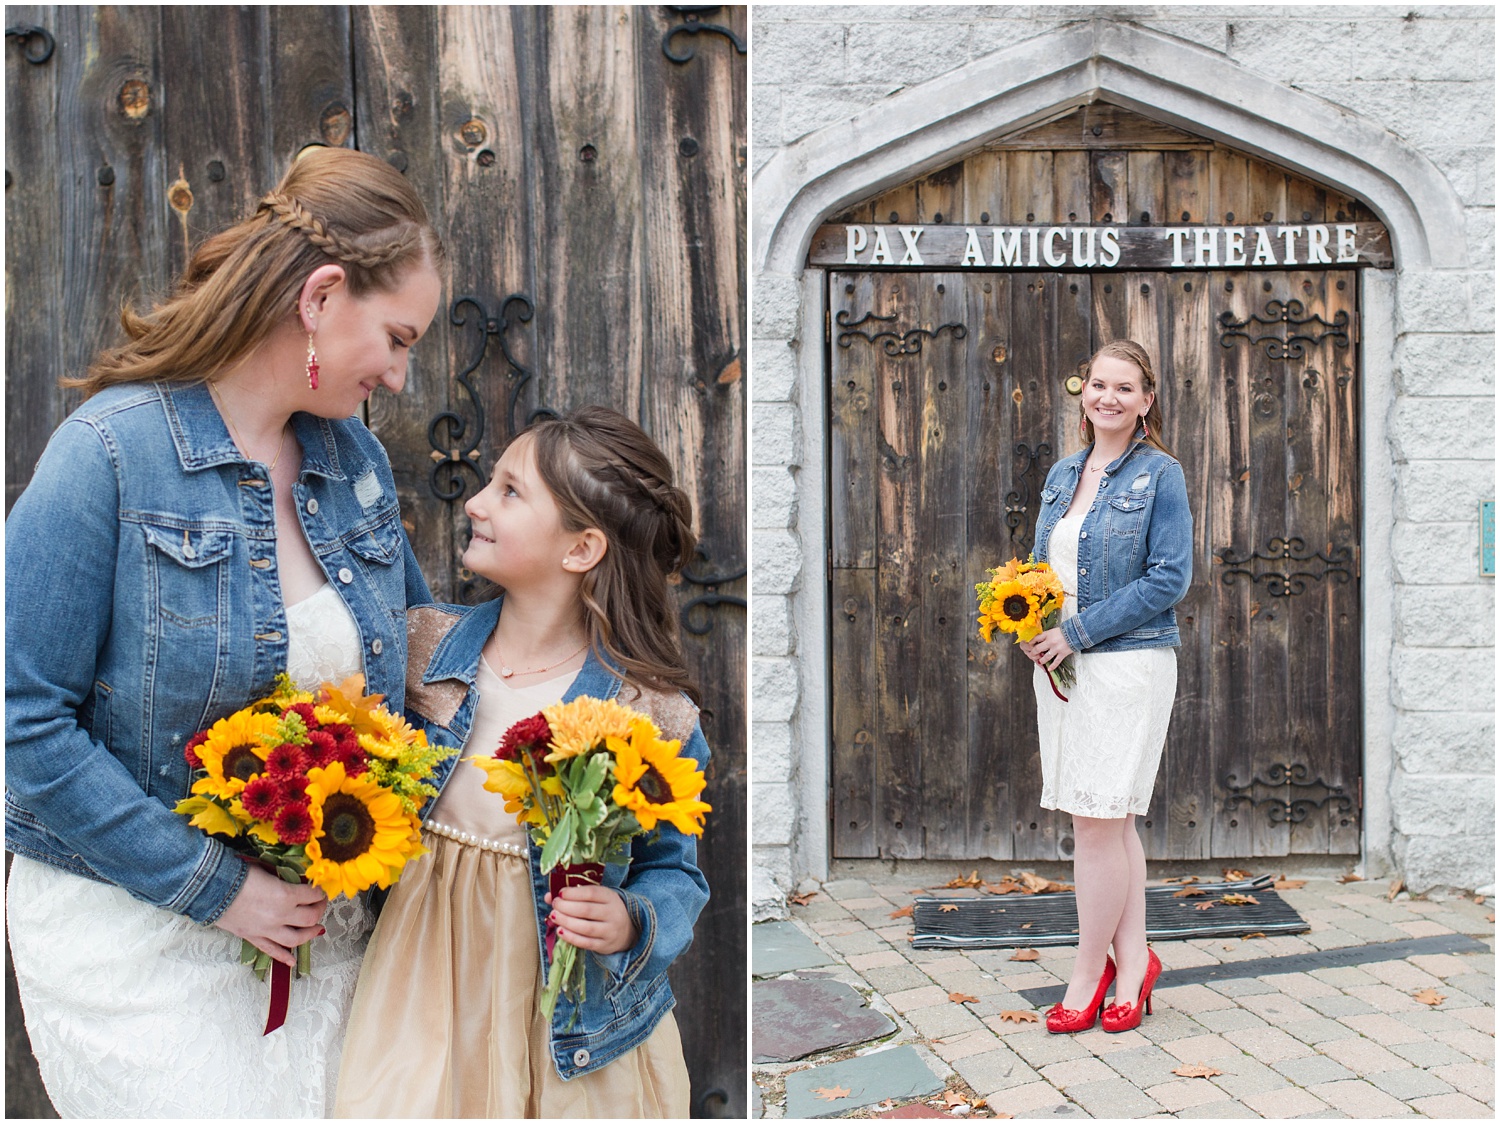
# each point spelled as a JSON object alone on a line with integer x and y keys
{"x": 352, "y": 758}
{"x": 293, "y": 788}
{"x": 190, "y": 751}
{"x": 320, "y": 748}
{"x": 286, "y": 760}
{"x": 294, "y": 824}
{"x": 531, "y": 734}
{"x": 262, "y": 796}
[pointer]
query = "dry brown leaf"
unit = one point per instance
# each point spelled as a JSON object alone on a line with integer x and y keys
{"x": 1233, "y": 875}
{"x": 904, "y": 911}
{"x": 960, "y": 997}
{"x": 950, "y": 908}
{"x": 1190, "y": 892}
{"x": 1478, "y": 899}
{"x": 960, "y": 883}
{"x": 1253, "y": 937}
{"x": 1352, "y": 877}
{"x": 1197, "y": 1071}
{"x": 1429, "y": 996}
{"x": 887, "y": 1103}
{"x": 1026, "y": 954}
{"x": 1240, "y": 899}
{"x": 1204, "y": 905}
{"x": 1490, "y": 917}
{"x": 981, "y": 1103}
{"x": 1397, "y": 885}
{"x": 1289, "y": 884}
{"x": 1005, "y": 886}
{"x": 1027, "y": 925}
{"x": 837, "y": 1093}
{"x": 952, "y": 1097}
{"x": 1185, "y": 880}
{"x": 802, "y": 899}
{"x": 1018, "y": 1016}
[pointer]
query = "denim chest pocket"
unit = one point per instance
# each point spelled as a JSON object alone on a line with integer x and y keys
{"x": 381, "y": 543}
{"x": 184, "y": 567}
{"x": 1126, "y": 513}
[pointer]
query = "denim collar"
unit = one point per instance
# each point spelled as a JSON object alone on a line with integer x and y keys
{"x": 203, "y": 440}
{"x": 457, "y": 656}
{"x": 1077, "y": 459}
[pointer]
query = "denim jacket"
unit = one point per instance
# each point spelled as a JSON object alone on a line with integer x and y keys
{"x": 663, "y": 889}
{"x": 143, "y": 604}
{"x": 1135, "y": 549}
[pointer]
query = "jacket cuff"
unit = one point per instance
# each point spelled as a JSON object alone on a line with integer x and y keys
{"x": 626, "y": 964}
{"x": 1073, "y": 633}
{"x": 215, "y": 884}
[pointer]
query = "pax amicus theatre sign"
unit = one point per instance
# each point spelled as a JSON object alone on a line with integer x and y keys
{"x": 1307, "y": 245}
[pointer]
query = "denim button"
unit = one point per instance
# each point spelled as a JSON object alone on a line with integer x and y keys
{"x": 346, "y": 575}
{"x": 1083, "y": 534}
{"x": 1083, "y": 570}
{"x": 189, "y": 552}
{"x": 377, "y": 646}
{"x": 312, "y": 507}
{"x": 580, "y": 1058}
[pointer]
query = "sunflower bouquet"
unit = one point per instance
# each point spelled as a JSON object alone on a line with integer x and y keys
{"x": 318, "y": 787}
{"x": 586, "y": 777}
{"x": 1025, "y": 598}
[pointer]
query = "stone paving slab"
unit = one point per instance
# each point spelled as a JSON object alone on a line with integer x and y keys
{"x": 779, "y": 946}
{"x": 895, "y": 1074}
{"x": 795, "y": 1018}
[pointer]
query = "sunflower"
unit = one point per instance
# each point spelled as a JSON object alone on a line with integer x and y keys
{"x": 508, "y": 778}
{"x": 234, "y": 751}
{"x": 655, "y": 782}
{"x": 361, "y": 836}
{"x": 1017, "y": 609}
{"x": 580, "y": 725}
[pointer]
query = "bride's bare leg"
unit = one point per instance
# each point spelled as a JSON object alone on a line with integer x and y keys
{"x": 1130, "y": 934}
{"x": 1101, "y": 874}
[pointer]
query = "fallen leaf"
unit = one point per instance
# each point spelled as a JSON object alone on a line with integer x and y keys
{"x": 1253, "y": 936}
{"x": 1240, "y": 899}
{"x": 947, "y": 909}
{"x": 1478, "y": 899}
{"x": 887, "y": 1103}
{"x": 981, "y": 1103}
{"x": 1006, "y": 886}
{"x": 904, "y": 911}
{"x": 960, "y": 883}
{"x": 1490, "y": 917}
{"x": 1190, "y": 892}
{"x": 953, "y": 1097}
{"x": 1026, "y": 954}
{"x": 1204, "y": 905}
{"x": 960, "y": 997}
{"x": 1289, "y": 884}
{"x": 1018, "y": 1016}
{"x": 1429, "y": 996}
{"x": 1352, "y": 877}
{"x": 1397, "y": 885}
{"x": 1232, "y": 875}
{"x": 837, "y": 1093}
{"x": 802, "y": 899}
{"x": 1027, "y": 925}
{"x": 1197, "y": 1071}
{"x": 1184, "y": 880}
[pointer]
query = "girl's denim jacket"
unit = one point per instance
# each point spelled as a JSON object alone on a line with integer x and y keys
{"x": 1135, "y": 549}
{"x": 664, "y": 891}
{"x": 143, "y": 604}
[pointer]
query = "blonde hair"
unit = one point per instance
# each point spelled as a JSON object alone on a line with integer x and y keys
{"x": 1133, "y": 353}
{"x": 335, "y": 206}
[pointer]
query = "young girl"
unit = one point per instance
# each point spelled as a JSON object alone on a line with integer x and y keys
{"x": 580, "y": 525}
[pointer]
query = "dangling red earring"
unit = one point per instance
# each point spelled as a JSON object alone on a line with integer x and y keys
{"x": 1145, "y": 429}
{"x": 312, "y": 364}
{"x": 1083, "y": 429}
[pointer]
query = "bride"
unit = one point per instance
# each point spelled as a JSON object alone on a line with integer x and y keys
{"x": 210, "y": 517}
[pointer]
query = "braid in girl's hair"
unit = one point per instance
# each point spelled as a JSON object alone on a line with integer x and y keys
{"x": 605, "y": 472}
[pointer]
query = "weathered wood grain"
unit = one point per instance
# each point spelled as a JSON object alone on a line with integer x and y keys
{"x": 1102, "y": 125}
{"x": 855, "y": 725}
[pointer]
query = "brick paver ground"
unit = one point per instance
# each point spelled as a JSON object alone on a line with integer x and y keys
{"x": 1343, "y": 1042}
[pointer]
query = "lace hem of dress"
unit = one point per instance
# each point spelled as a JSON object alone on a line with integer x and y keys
{"x": 1093, "y": 805}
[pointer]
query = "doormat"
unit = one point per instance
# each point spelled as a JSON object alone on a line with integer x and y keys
{"x": 1173, "y": 913}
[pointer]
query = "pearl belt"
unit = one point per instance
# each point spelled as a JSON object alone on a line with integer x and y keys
{"x": 519, "y": 850}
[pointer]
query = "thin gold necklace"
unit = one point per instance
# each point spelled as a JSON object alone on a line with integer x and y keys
{"x": 506, "y": 671}
{"x": 240, "y": 441}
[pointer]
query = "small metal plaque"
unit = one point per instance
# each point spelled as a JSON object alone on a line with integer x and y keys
{"x": 1487, "y": 538}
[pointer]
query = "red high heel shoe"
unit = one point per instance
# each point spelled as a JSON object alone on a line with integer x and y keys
{"x": 1127, "y": 1016}
{"x": 1062, "y": 1020}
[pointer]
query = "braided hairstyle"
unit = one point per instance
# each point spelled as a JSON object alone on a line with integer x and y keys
{"x": 605, "y": 472}
{"x": 335, "y": 206}
{"x": 1133, "y": 353}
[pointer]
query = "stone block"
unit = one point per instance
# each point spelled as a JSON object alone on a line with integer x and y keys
{"x": 1144, "y": 1065}
{"x": 907, "y": 52}
{"x": 901, "y": 977}
{"x": 994, "y": 1070}
{"x": 1232, "y": 1018}
{"x": 777, "y": 947}
{"x": 770, "y": 752}
{"x": 1039, "y": 1048}
{"x": 1452, "y": 1106}
{"x": 1407, "y": 1083}
{"x": 1421, "y": 49}
{"x": 1113, "y": 1099}
{"x": 1183, "y": 1093}
{"x": 928, "y": 995}
{"x": 773, "y": 371}
{"x": 1210, "y": 33}
{"x": 775, "y": 438}
{"x": 1359, "y": 1099}
{"x": 1191, "y": 999}
{"x": 775, "y": 814}
{"x": 1443, "y": 679}
{"x": 765, "y": 124}
{"x": 773, "y": 494}
{"x": 1293, "y": 51}
{"x": 1422, "y": 113}
{"x": 1442, "y": 491}
{"x": 1282, "y": 1104}
{"x": 899, "y": 1073}
{"x": 808, "y": 108}
{"x": 1456, "y": 429}
{"x": 1077, "y": 1071}
{"x": 1419, "y": 549}
{"x": 795, "y": 1018}
{"x": 1317, "y": 1030}
{"x": 1201, "y": 1048}
{"x": 1267, "y": 1043}
{"x": 773, "y": 689}
{"x": 1444, "y": 743}
{"x": 1037, "y": 1098}
{"x": 1312, "y": 1070}
{"x": 1469, "y": 170}
{"x": 1466, "y": 862}
{"x": 776, "y": 309}
{"x": 1436, "y": 301}
{"x": 790, "y": 54}
{"x": 770, "y": 629}
{"x": 1479, "y": 227}
{"x": 775, "y": 562}
{"x": 943, "y": 1019}
{"x": 1336, "y": 1006}
{"x": 1446, "y": 364}
{"x": 1470, "y": 1078}
{"x": 1381, "y": 1028}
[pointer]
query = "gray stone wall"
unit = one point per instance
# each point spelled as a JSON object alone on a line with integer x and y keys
{"x": 1426, "y": 74}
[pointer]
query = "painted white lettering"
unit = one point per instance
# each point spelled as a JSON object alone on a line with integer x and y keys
{"x": 1177, "y": 234}
{"x": 1234, "y": 245}
{"x": 1263, "y": 253}
{"x": 1317, "y": 245}
{"x": 1007, "y": 247}
{"x": 1083, "y": 255}
{"x": 857, "y": 240}
{"x": 1346, "y": 232}
{"x": 909, "y": 235}
{"x": 1206, "y": 246}
{"x": 972, "y": 254}
{"x": 1031, "y": 243}
{"x": 1055, "y": 259}
{"x": 1109, "y": 247}
{"x": 882, "y": 253}
{"x": 1289, "y": 233}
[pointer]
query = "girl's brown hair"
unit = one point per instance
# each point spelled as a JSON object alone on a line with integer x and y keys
{"x": 1131, "y": 352}
{"x": 605, "y": 472}
{"x": 335, "y": 206}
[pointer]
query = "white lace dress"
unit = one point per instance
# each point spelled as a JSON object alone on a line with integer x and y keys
{"x": 1101, "y": 749}
{"x": 134, "y": 1011}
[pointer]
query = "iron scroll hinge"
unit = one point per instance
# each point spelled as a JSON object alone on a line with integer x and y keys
{"x": 893, "y": 342}
{"x": 693, "y": 25}
{"x": 1337, "y": 563}
{"x": 1293, "y": 314}
{"x": 711, "y": 582}
{"x": 45, "y": 43}
{"x": 1289, "y": 807}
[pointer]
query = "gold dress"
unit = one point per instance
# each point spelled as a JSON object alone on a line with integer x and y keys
{"x": 445, "y": 1020}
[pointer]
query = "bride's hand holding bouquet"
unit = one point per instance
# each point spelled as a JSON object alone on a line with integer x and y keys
{"x": 1026, "y": 600}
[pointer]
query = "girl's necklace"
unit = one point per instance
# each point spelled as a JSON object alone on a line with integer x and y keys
{"x": 235, "y": 433}
{"x": 506, "y": 671}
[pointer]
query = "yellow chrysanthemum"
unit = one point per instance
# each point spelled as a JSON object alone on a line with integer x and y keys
{"x": 361, "y": 835}
{"x": 508, "y": 778}
{"x": 1010, "y": 571}
{"x": 655, "y": 782}
{"x": 584, "y": 723}
{"x": 1017, "y": 609}
{"x": 379, "y": 746}
{"x": 234, "y": 751}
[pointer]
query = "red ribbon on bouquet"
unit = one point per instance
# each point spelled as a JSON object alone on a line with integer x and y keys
{"x": 570, "y": 874}
{"x": 281, "y": 993}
